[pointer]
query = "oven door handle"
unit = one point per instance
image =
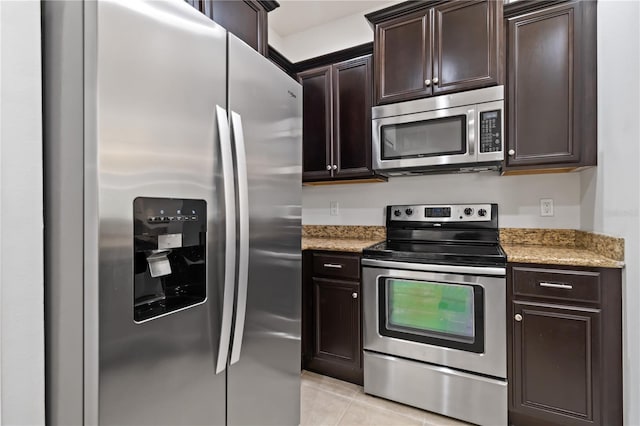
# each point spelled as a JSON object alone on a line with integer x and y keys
{"x": 452, "y": 269}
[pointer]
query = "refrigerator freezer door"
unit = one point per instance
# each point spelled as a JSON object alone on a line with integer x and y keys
{"x": 160, "y": 71}
{"x": 264, "y": 384}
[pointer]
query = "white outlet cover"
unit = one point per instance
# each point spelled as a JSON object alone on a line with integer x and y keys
{"x": 546, "y": 207}
{"x": 333, "y": 208}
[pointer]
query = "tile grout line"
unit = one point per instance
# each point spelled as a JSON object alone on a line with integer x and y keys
{"x": 321, "y": 388}
{"x": 354, "y": 396}
{"x": 391, "y": 410}
{"x": 344, "y": 412}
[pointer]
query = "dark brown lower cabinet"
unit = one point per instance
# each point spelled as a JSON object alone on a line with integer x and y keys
{"x": 564, "y": 346}
{"x": 332, "y": 332}
{"x": 556, "y": 360}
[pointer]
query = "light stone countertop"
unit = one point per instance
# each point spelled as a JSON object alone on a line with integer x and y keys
{"x": 562, "y": 247}
{"x": 521, "y": 245}
{"x": 352, "y": 245}
{"x": 558, "y": 256}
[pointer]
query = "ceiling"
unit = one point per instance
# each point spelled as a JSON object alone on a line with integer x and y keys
{"x": 297, "y": 15}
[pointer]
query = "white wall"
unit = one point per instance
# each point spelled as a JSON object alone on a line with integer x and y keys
{"x": 21, "y": 223}
{"x": 340, "y": 34}
{"x": 275, "y": 40}
{"x": 611, "y": 193}
{"x": 518, "y": 198}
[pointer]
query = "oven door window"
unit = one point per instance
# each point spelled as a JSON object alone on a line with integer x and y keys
{"x": 444, "y": 314}
{"x": 428, "y": 138}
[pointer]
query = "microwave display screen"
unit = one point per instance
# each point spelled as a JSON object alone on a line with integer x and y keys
{"x": 428, "y": 138}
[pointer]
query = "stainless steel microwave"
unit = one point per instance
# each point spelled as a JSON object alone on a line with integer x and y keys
{"x": 458, "y": 132}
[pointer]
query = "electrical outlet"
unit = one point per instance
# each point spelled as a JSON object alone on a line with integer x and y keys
{"x": 333, "y": 208}
{"x": 546, "y": 207}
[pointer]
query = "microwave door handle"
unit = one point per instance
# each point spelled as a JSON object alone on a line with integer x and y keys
{"x": 472, "y": 130}
{"x": 230, "y": 238}
{"x": 243, "y": 258}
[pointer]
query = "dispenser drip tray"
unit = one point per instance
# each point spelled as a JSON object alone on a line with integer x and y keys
{"x": 159, "y": 264}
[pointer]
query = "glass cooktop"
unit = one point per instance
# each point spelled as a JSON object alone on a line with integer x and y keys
{"x": 438, "y": 253}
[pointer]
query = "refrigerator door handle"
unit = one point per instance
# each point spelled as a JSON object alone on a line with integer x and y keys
{"x": 243, "y": 258}
{"x": 230, "y": 238}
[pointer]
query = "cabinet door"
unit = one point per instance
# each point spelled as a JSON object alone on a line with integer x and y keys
{"x": 465, "y": 54}
{"x": 246, "y": 19}
{"x": 352, "y": 117}
{"x": 337, "y": 347}
{"x": 556, "y": 361}
{"x": 542, "y": 89}
{"x": 316, "y": 123}
{"x": 403, "y": 58}
{"x": 196, "y": 4}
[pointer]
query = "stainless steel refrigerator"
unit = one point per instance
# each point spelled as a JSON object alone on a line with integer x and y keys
{"x": 172, "y": 221}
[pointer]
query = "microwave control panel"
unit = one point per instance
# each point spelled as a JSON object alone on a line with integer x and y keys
{"x": 490, "y": 131}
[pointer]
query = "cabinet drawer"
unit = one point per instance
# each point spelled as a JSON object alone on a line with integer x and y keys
{"x": 336, "y": 265}
{"x": 581, "y": 286}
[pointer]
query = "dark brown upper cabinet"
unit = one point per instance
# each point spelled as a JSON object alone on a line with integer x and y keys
{"x": 246, "y": 19}
{"x": 402, "y": 58}
{"x": 466, "y": 43}
{"x": 564, "y": 345}
{"x": 352, "y": 117}
{"x": 336, "y": 121}
{"x": 551, "y": 86}
{"x": 428, "y": 48}
{"x": 316, "y": 124}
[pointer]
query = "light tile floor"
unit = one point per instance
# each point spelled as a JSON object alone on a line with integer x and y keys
{"x": 328, "y": 401}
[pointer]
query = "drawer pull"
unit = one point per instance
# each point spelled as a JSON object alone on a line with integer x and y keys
{"x": 333, "y": 265}
{"x": 556, "y": 285}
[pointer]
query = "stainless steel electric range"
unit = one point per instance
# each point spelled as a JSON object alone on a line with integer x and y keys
{"x": 435, "y": 312}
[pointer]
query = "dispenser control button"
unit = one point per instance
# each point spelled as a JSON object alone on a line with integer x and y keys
{"x": 180, "y": 218}
{"x": 163, "y": 219}
{"x": 409, "y": 212}
{"x": 468, "y": 211}
{"x": 172, "y": 218}
{"x": 151, "y": 219}
{"x": 482, "y": 212}
{"x": 397, "y": 213}
{"x": 194, "y": 217}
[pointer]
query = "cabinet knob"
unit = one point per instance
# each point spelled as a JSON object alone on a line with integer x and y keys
{"x": 334, "y": 167}
{"x": 328, "y": 166}
{"x": 435, "y": 80}
{"x": 354, "y": 295}
{"x": 512, "y": 152}
{"x": 427, "y": 82}
{"x": 518, "y": 317}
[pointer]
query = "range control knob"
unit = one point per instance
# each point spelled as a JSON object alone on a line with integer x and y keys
{"x": 468, "y": 211}
{"x": 482, "y": 212}
{"x": 409, "y": 212}
{"x": 397, "y": 213}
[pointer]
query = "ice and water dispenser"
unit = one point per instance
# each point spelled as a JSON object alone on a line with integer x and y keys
{"x": 169, "y": 255}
